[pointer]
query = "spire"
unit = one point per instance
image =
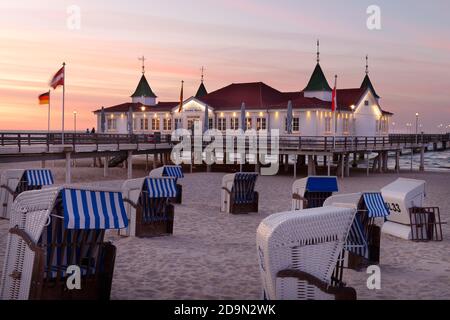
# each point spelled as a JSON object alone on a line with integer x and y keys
{"x": 318, "y": 51}
{"x": 367, "y": 64}
{"x": 367, "y": 84}
{"x": 318, "y": 81}
{"x": 143, "y": 63}
{"x": 201, "y": 92}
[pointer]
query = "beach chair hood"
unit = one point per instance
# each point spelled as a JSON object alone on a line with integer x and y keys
{"x": 31, "y": 211}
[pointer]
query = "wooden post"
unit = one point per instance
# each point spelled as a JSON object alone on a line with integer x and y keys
{"x": 347, "y": 165}
{"x": 311, "y": 166}
{"x": 146, "y": 162}
{"x": 154, "y": 161}
{"x": 68, "y": 168}
{"x": 342, "y": 165}
{"x": 329, "y": 165}
{"x": 368, "y": 164}
{"x": 105, "y": 166}
{"x": 130, "y": 164}
{"x": 295, "y": 167}
{"x": 380, "y": 161}
{"x": 397, "y": 161}
{"x": 412, "y": 158}
{"x": 286, "y": 163}
{"x": 422, "y": 159}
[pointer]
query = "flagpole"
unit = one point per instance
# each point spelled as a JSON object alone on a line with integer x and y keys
{"x": 48, "y": 129}
{"x": 64, "y": 89}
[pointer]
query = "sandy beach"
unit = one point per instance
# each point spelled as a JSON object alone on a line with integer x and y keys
{"x": 212, "y": 255}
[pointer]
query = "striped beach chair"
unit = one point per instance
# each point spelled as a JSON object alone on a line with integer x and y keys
{"x": 148, "y": 206}
{"x": 363, "y": 243}
{"x": 311, "y": 192}
{"x": 15, "y": 181}
{"x": 54, "y": 231}
{"x": 299, "y": 250}
{"x": 238, "y": 193}
{"x": 175, "y": 172}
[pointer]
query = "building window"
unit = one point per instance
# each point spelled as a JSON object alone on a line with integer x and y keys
{"x": 222, "y": 124}
{"x": 178, "y": 124}
{"x": 248, "y": 123}
{"x": 345, "y": 125}
{"x": 112, "y": 124}
{"x": 155, "y": 124}
{"x": 210, "y": 123}
{"x": 135, "y": 124}
{"x": 144, "y": 124}
{"x": 261, "y": 124}
{"x": 328, "y": 124}
{"x": 295, "y": 124}
{"x": 234, "y": 124}
{"x": 167, "y": 124}
{"x": 366, "y": 102}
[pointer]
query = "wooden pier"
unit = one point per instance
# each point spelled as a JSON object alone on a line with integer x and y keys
{"x": 341, "y": 151}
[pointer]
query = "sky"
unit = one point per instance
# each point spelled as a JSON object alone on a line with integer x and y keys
{"x": 235, "y": 40}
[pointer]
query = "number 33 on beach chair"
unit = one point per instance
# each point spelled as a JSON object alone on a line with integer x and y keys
{"x": 14, "y": 182}
{"x": 57, "y": 228}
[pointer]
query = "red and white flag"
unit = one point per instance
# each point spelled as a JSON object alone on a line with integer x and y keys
{"x": 58, "y": 79}
{"x": 333, "y": 99}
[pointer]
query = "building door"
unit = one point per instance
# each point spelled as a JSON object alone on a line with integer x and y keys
{"x": 192, "y": 122}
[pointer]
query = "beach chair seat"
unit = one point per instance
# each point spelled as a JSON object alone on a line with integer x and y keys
{"x": 175, "y": 172}
{"x": 238, "y": 193}
{"x": 311, "y": 192}
{"x": 15, "y": 181}
{"x": 298, "y": 252}
{"x": 56, "y": 228}
{"x": 410, "y": 219}
{"x": 148, "y": 206}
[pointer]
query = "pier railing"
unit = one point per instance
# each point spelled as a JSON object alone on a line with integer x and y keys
{"x": 20, "y": 139}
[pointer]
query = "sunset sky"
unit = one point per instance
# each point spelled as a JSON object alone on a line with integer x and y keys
{"x": 236, "y": 41}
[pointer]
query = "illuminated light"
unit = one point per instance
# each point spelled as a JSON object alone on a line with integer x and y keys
{"x": 234, "y": 114}
{"x": 260, "y": 114}
{"x": 155, "y": 115}
{"x": 276, "y": 114}
{"x": 222, "y": 115}
{"x": 248, "y": 114}
{"x": 308, "y": 114}
{"x": 112, "y": 116}
{"x": 352, "y": 107}
{"x": 167, "y": 115}
{"x": 122, "y": 115}
{"x": 134, "y": 116}
{"x": 142, "y": 108}
{"x": 145, "y": 116}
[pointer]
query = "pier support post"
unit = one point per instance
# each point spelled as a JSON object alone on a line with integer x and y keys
{"x": 311, "y": 166}
{"x": 105, "y": 166}
{"x": 325, "y": 162}
{"x": 385, "y": 161}
{"x": 422, "y": 159}
{"x": 286, "y": 163}
{"x": 329, "y": 165}
{"x": 295, "y": 166}
{"x": 368, "y": 163}
{"x": 342, "y": 160}
{"x": 380, "y": 162}
{"x": 397, "y": 161}
{"x": 347, "y": 165}
{"x": 130, "y": 164}
{"x": 68, "y": 168}
{"x": 43, "y": 164}
{"x": 412, "y": 158}
{"x": 146, "y": 162}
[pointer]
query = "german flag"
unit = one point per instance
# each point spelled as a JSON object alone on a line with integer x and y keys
{"x": 44, "y": 98}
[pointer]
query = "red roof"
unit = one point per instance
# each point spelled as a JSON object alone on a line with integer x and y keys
{"x": 136, "y": 106}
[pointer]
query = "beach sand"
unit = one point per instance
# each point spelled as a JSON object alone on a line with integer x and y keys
{"x": 212, "y": 255}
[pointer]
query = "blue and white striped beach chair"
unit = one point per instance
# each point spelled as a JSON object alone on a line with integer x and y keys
{"x": 148, "y": 207}
{"x": 311, "y": 192}
{"x": 363, "y": 243}
{"x": 54, "y": 230}
{"x": 15, "y": 181}
{"x": 238, "y": 193}
{"x": 175, "y": 172}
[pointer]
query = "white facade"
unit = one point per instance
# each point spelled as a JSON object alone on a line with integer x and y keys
{"x": 366, "y": 120}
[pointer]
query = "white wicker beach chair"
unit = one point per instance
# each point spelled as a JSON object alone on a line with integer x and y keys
{"x": 148, "y": 208}
{"x": 298, "y": 252}
{"x": 410, "y": 220}
{"x": 15, "y": 181}
{"x": 175, "y": 172}
{"x": 238, "y": 193}
{"x": 311, "y": 192}
{"x": 54, "y": 228}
